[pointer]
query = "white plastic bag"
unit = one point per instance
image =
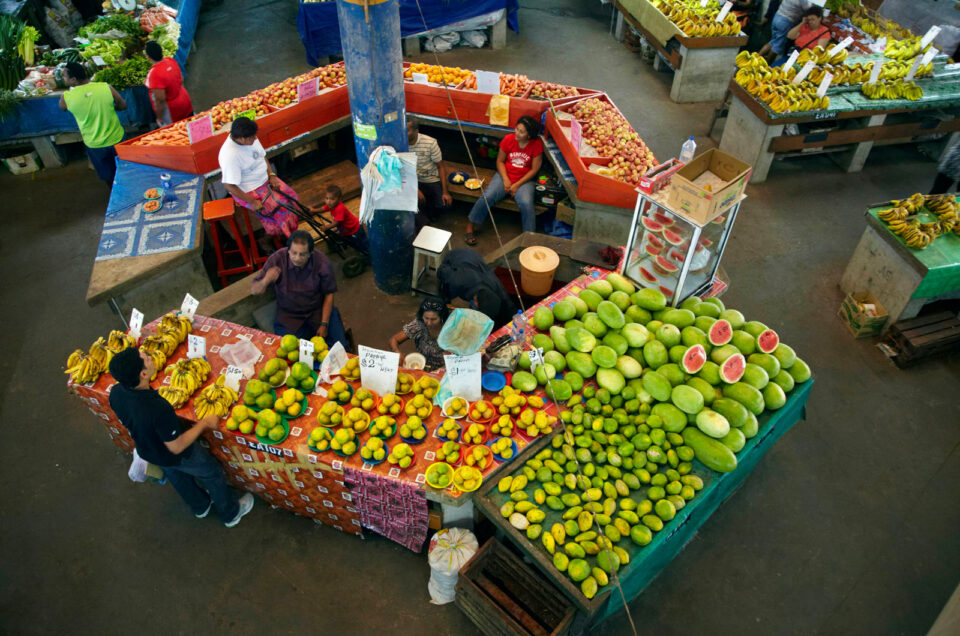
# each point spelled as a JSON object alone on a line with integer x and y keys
{"x": 243, "y": 354}
{"x": 449, "y": 550}
{"x": 138, "y": 468}
{"x": 333, "y": 363}
{"x": 476, "y": 39}
{"x": 374, "y": 196}
{"x": 442, "y": 42}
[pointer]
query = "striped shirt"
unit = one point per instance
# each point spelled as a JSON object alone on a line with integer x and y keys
{"x": 428, "y": 155}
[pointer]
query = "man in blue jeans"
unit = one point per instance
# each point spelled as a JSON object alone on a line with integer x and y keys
{"x": 161, "y": 440}
{"x": 304, "y": 283}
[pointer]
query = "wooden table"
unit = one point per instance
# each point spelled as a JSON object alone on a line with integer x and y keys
{"x": 462, "y": 193}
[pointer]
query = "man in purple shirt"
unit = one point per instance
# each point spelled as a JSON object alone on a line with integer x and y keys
{"x": 304, "y": 284}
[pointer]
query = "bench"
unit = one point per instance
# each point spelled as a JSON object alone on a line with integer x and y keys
{"x": 461, "y": 193}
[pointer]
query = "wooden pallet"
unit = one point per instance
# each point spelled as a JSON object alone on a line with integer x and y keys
{"x": 503, "y": 596}
{"x": 924, "y": 337}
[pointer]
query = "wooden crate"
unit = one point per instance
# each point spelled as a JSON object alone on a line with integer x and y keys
{"x": 924, "y": 337}
{"x": 502, "y": 596}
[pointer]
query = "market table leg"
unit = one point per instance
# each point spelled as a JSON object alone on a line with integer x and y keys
{"x": 619, "y": 26}
{"x": 411, "y": 46}
{"x": 498, "y": 34}
{"x": 704, "y": 74}
{"x": 165, "y": 292}
{"x": 748, "y": 139}
{"x": 48, "y": 152}
{"x": 459, "y": 516}
{"x": 853, "y": 160}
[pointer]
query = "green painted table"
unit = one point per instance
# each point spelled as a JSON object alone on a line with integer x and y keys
{"x": 901, "y": 278}
{"x": 648, "y": 561}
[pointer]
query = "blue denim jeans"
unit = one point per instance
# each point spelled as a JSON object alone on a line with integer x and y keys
{"x": 335, "y": 330}
{"x": 104, "y": 161}
{"x": 778, "y": 34}
{"x": 495, "y": 193}
{"x": 199, "y": 480}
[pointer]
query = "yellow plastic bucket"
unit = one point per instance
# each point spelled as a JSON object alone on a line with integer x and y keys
{"x": 537, "y": 267}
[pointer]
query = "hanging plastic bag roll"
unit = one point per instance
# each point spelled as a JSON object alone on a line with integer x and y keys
{"x": 336, "y": 358}
{"x": 465, "y": 331}
{"x": 449, "y": 550}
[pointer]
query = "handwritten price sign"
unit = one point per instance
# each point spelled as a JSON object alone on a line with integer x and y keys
{"x": 378, "y": 369}
{"x": 463, "y": 374}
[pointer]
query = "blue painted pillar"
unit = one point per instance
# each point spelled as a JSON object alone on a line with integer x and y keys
{"x": 374, "y": 63}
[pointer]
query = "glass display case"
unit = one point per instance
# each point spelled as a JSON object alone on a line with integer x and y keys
{"x": 672, "y": 253}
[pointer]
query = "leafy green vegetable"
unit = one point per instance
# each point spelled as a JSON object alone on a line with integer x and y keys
{"x": 119, "y": 21}
{"x": 128, "y": 73}
{"x": 167, "y": 35}
{"x": 8, "y": 102}
{"x": 109, "y": 50}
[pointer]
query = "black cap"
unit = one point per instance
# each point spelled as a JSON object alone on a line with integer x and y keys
{"x": 125, "y": 367}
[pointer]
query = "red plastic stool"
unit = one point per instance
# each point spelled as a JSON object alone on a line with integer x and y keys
{"x": 254, "y": 250}
{"x": 220, "y": 211}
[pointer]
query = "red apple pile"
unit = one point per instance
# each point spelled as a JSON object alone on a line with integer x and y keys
{"x": 225, "y": 112}
{"x": 546, "y": 90}
{"x": 611, "y": 135}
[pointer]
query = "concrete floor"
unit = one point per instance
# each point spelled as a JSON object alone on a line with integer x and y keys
{"x": 848, "y": 526}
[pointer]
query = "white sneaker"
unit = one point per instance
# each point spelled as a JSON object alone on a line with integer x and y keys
{"x": 246, "y": 505}
{"x": 205, "y": 512}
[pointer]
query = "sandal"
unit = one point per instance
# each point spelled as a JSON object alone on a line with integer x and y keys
{"x": 470, "y": 239}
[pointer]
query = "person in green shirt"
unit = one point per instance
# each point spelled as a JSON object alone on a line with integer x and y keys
{"x": 95, "y": 106}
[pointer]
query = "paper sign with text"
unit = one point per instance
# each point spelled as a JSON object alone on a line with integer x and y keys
{"x": 196, "y": 346}
{"x": 802, "y": 75}
{"x": 189, "y": 306}
{"x": 724, "y": 11}
{"x": 536, "y": 357}
{"x": 421, "y": 78}
{"x": 844, "y": 43}
{"x": 928, "y": 56}
{"x": 488, "y": 82}
{"x": 98, "y": 60}
{"x": 791, "y": 60}
{"x": 463, "y": 374}
{"x": 308, "y": 89}
{"x": 875, "y": 72}
{"x": 576, "y": 134}
{"x": 824, "y": 84}
{"x": 913, "y": 69}
{"x": 136, "y": 323}
{"x": 378, "y": 369}
{"x": 932, "y": 33}
{"x": 200, "y": 129}
{"x": 232, "y": 377}
{"x": 306, "y": 352}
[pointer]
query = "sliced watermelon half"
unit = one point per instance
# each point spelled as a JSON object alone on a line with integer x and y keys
{"x": 656, "y": 242}
{"x": 720, "y": 333}
{"x": 666, "y": 291}
{"x": 648, "y": 276}
{"x": 650, "y": 224}
{"x": 663, "y": 219}
{"x": 664, "y": 266}
{"x": 651, "y": 250}
{"x": 732, "y": 368}
{"x": 694, "y": 359}
{"x": 718, "y": 220}
{"x": 767, "y": 341}
{"x": 705, "y": 242}
{"x": 676, "y": 255}
{"x": 672, "y": 237}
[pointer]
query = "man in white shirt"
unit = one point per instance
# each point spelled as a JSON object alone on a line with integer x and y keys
{"x": 432, "y": 191}
{"x": 247, "y": 176}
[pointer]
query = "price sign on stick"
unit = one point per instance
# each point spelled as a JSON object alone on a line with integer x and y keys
{"x": 136, "y": 323}
{"x": 488, "y": 82}
{"x": 536, "y": 357}
{"x": 875, "y": 72}
{"x": 928, "y": 56}
{"x": 913, "y": 69}
{"x": 200, "y": 129}
{"x": 802, "y": 75}
{"x": 189, "y": 306}
{"x": 308, "y": 89}
{"x": 844, "y": 43}
{"x": 378, "y": 369}
{"x": 932, "y": 33}
{"x": 724, "y": 11}
{"x": 463, "y": 373}
{"x": 98, "y": 60}
{"x": 306, "y": 352}
{"x": 824, "y": 84}
{"x": 196, "y": 346}
{"x": 420, "y": 78}
{"x": 791, "y": 60}
{"x": 576, "y": 134}
{"x": 232, "y": 377}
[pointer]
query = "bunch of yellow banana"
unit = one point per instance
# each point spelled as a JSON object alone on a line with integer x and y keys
{"x": 697, "y": 21}
{"x": 897, "y": 69}
{"x": 903, "y": 49}
{"x": 898, "y": 213}
{"x": 215, "y": 398}
{"x": 176, "y": 397}
{"x": 100, "y": 352}
{"x": 117, "y": 341}
{"x": 913, "y": 204}
{"x": 947, "y": 211}
{"x": 915, "y": 235}
{"x": 83, "y": 367}
{"x": 919, "y": 235}
{"x": 819, "y": 55}
{"x": 175, "y": 324}
{"x": 892, "y": 89}
{"x": 151, "y": 348}
{"x": 188, "y": 374}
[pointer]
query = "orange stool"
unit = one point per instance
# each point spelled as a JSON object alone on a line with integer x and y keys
{"x": 221, "y": 211}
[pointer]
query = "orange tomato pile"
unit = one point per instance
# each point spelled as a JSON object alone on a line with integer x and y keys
{"x": 449, "y": 75}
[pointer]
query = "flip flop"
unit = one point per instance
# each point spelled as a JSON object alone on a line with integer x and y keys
{"x": 470, "y": 239}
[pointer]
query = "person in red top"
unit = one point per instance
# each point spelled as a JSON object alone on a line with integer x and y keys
{"x": 811, "y": 32}
{"x": 170, "y": 99}
{"x": 519, "y": 160}
{"x": 348, "y": 226}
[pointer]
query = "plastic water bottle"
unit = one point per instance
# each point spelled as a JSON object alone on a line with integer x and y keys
{"x": 688, "y": 150}
{"x": 519, "y": 329}
{"x": 167, "y": 187}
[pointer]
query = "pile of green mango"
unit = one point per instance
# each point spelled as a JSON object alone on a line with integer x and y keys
{"x": 634, "y": 420}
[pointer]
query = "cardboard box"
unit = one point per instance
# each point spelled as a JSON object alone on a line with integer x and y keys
{"x": 728, "y": 176}
{"x": 566, "y": 213}
{"x": 863, "y": 314}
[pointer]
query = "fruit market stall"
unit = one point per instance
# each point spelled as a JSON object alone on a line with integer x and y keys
{"x": 908, "y": 255}
{"x": 698, "y": 40}
{"x": 838, "y": 103}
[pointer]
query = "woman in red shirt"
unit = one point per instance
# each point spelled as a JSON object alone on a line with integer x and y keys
{"x": 170, "y": 99}
{"x": 811, "y": 32}
{"x": 519, "y": 160}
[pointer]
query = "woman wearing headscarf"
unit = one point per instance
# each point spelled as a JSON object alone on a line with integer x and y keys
{"x": 423, "y": 331}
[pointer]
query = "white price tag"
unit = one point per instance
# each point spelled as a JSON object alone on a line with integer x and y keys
{"x": 802, "y": 75}
{"x": 463, "y": 374}
{"x": 536, "y": 357}
{"x": 196, "y": 346}
{"x": 928, "y": 56}
{"x": 932, "y": 33}
{"x": 136, "y": 323}
{"x": 488, "y": 82}
{"x": 420, "y": 78}
{"x": 232, "y": 377}
{"x": 791, "y": 60}
{"x": 881, "y": 43}
{"x": 724, "y": 11}
{"x": 189, "y": 306}
{"x": 704, "y": 3}
{"x": 875, "y": 72}
{"x": 913, "y": 69}
{"x": 306, "y": 352}
{"x": 378, "y": 369}
{"x": 836, "y": 48}
{"x": 824, "y": 84}
{"x": 98, "y": 60}
{"x": 82, "y": 40}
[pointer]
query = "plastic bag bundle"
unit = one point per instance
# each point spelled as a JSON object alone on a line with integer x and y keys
{"x": 449, "y": 550}
{"x": 465, "y": 331}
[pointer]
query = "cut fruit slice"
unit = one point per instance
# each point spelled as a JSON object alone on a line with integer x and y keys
{"x": 767, "y": 341}
{"x": 653, "y": 240}
{"x": 651, "y": 225}
{"x": 677, "y": 255}
{"x": 666, "y": 291}
{"x": 663, "y": 219}
{"x": 732, "y": 368}
{"x": 705, "y": 242}
{"x": 664, "y": 266}
{"x": 651, "y": 250}
{"x": 672, "y": 237}
{"x": 648, "y": 276}
{"x": 694, "y": 359}
{"x": 719, "y": 220}
{"x": 720, "y": 333}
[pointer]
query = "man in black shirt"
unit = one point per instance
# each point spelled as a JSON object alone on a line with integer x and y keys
{"x": 160, "y": 440}
{"x": 463, "y": 274}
